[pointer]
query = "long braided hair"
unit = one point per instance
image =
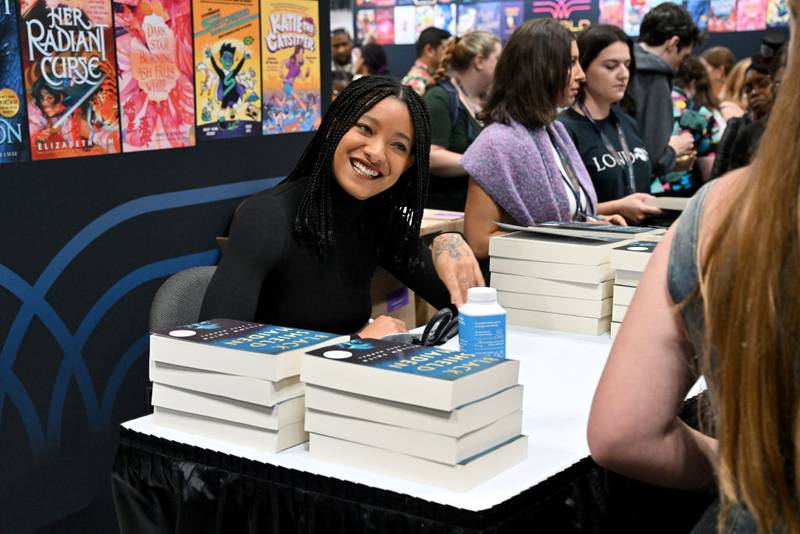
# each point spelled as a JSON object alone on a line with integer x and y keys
{"x": 398, "y": 210}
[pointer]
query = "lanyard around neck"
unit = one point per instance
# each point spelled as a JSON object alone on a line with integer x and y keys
{"x": 570, "y": 178}
{"x": 623, "y": 142}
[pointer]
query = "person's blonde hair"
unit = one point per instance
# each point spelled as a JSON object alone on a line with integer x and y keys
{"x": 460, "y": 51}
{"x": 750, "y": 283}
{"x": 734, "y": 83}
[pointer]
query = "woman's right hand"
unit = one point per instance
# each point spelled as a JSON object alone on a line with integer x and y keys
{"x": 634, "y": 209}
{"x": 383, "y": 326}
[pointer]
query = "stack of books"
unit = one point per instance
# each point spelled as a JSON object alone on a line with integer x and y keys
{"x": 554, "y": 282}
{"x": 233, "y": 381}
{"x": 629, "y": 262}
{"x": 430, "y": 415}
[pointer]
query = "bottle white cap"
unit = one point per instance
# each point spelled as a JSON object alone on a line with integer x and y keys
{"x": 482, "y": 294}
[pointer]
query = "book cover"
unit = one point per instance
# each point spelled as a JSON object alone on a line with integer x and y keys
{"x": 751, "y": 15}
{"x": 586, "y": 227}
{"x": 227, "y": 68}
{"x": 431, "y": 362}
{"x": 513, "y": 13}
{"x": 70, "y": 78}
{"x": 467, "y": 18}
{"x": 635, "y": 11}
{"x": 369, "y": 3}
{"x": 290, "y": 63}
{"x": 156, "y": 73}
{"x": 722, "y": 16}
{"x": 424, "y": 18}
{"x": 384, "y": 25}
{"x": 14, "y": 144}
{"x": 246, "y": 336}
{"x": 633, "y": 256}
{"x": 699, "y": 10}
{"x": 444, "y": 17}
{"x": 489, "y": 15}
{"x": 612, "y": 12}
{"x": 777, "y": 14}
{"x": 404, "y": 28}
{"x": 365, "y": 24}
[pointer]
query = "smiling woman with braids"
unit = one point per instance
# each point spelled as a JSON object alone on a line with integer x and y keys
{"x": 303, "y": 253}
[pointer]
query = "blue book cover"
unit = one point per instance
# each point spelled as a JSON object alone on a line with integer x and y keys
{"x": 432, "y": 362}
{"x": 13, "y": 117}
{"x": 246, "y": 336}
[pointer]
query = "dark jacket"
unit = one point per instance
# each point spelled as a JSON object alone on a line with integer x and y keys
{"x": 651, "y": 87}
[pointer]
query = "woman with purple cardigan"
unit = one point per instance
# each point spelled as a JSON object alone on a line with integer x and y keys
{"x": 523, "y": 167}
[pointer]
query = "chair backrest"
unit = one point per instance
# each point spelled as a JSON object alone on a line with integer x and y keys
{"x": 179, "y": 298}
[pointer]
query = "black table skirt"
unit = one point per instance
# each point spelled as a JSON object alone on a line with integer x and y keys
{"x": 161, "y": 486}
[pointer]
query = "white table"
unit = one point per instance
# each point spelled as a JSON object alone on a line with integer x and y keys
{"x": 559, "y": 372}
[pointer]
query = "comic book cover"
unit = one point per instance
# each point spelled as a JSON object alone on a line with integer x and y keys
{"x": 370, "y": 3}
{"x": 751, "y": 15}
{"x": 612, "y": 12}
{"x": 227, "y": 68}
{"x": 467, "y": 18}
{"x": 444, "y": 17}
{"x": 777, "y": 14}
{"x": 13, "y": 118}
{"x": 634, "y": 13}
{"x": 365, "y": 24}
{"x": 384, "y": 25}
{"x": 699, "y": 10}
{"x": 512, "y": 18}
{"x": 290, "y": 63}
{"x": 404, "y": 28}
{"x": 424, "y": 18}
{"x": 70, "y": 78}
{"x": 156, "y": 73}
{"x": 722, "y": 16}
{"x": 489, "y": 17}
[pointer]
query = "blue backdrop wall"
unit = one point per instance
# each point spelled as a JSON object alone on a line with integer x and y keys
{"x": 85, "y": 244}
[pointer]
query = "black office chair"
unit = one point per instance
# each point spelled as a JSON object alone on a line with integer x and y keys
{"x": 178, "y": 300}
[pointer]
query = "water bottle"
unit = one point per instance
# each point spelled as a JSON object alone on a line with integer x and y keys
{"x": 482, "y": 323}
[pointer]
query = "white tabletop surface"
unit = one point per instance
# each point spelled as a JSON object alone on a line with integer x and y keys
{"x": 559, "y": 372}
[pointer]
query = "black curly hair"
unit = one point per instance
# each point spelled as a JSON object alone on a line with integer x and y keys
{"x": 401, "y": 206}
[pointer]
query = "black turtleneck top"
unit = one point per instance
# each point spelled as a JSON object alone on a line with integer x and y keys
{"x": 271, "y": 275}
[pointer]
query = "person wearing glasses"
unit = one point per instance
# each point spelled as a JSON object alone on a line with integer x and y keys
{"x": 742, "y": 135}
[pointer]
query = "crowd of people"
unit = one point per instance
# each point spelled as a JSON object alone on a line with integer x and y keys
{"x": 554, "y": 127}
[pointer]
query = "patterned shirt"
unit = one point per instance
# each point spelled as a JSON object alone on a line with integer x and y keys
{"x": 418, "y": 77}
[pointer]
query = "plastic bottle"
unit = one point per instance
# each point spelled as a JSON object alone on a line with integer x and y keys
{"x": 482, "y": 323}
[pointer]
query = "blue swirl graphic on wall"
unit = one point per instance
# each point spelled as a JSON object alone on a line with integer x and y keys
{"x": 35, "y": 304}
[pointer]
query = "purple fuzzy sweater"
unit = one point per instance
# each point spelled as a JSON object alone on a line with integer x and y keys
{"x": 511, "y": 164}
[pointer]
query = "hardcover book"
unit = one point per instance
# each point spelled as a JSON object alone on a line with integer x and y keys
{"x": 566, "y": 272}
{"x": 14, "y": 144}
{"x": 235, "y": 433}
{"x": 70, "y": 78}
{"x": 553, "y": 248}
{"x": 668, "y": 203}
{"x": 238, "y": 347}
{"x": 460, "y": 477}
{"x": 234, "y": 411}
{"x": 633, "y": 256}
{"x": 429, "y": 445}
{"x": 561, "y": 305}
{"x": 154, "y": 54}
{"x": 243, "y": 388}
{"x": 587, "y": 230}
{"x": 554, "y": 288}
{"x": 623, "y": 294}
{"x": 227, "y": 68}
{"x": 457, "y": 422}
{"x": 626, "y": 278}
{"x": 588, "y": 326}
{"x": 433, "y": 377}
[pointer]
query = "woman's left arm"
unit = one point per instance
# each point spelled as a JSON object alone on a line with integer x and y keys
{"x": 634, "y": 426}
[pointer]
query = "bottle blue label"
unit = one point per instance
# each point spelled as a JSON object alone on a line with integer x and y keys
{"x": 484, "y": 334}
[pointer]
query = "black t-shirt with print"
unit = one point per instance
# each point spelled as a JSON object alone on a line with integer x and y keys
{"x": 609, "y": 171}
